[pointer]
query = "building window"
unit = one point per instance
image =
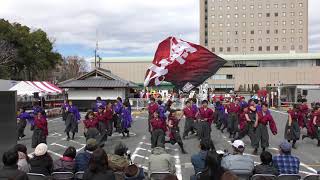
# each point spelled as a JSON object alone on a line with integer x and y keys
{"x": 260, "y": 15}
{"x": 220, "y": 33}
{"x": 260, "y": 48}
{"x": 213, "y": 42}
{"x": 260, "y": 31}
{"x": 300, "y": 31}
{"x": 276, "y": 48}
{"x": 276, "y": 31}
{"x": 220, "y": 24}
{"x": 276, "y": 14}
{"x": 243, "y": 40}
{"x": 275, "y": 5}
{"x": 252, "y": 32}
{"x": 259, "y": 6}
{"x": 268, "y": 48}
{"x": 268, "y": 14}
{"x": 284, "y": 14}
{"x": 284, "y": 5}
{"x": 221, "y": 49}
{"x": 220, "y": 8}
{"x": 283, "y": 22}
{"x": 236, "y": 32}
{"x": 213, "y": 49}
{"x": 300, "y": 13}
{"x": 212, "y": 8}
{"x": 213, "y": 33}
{"x": 276, "y": 39}
{"x": 252, "y": 15}
{"x": 292, "y": 22}
{"x": 220, "y": 41}
{"x": 243, "y": 24}
{"x": 251, "y": 6}
{"x": 284, "y": 39}
{"x": 251, "y": 48}
{"x": 213, "y": 16}
{"x": 236, "y": 7}
{"x": 252, "y": 24}
{"x": 228, "y": 7}
{"x": 243, "y": 15}
{"x": 268, "y": 39}
{"x": 236, "y": 15}
{"x": 228, "y": 24}
{"x": 283, "y": 31}
{"x": 243, "y": 7}
{"x": 236, "y": 24}
{"x": 300, "y": 5}
{"x": 220, "y": 16}
{"x": 228, "y": 41}
{"x": 243, "y": 32}
{"x": 268, "y": 31}
{"x": 229, "y": 76}
{"x": 212, "y": 24}
{"x": 300, "y": 39}
{"x": 236, "y": 49}
{"x": 228, "y": 49}
{"x": 268, "y": 6}
{"x": 268, "y": 23}
{"x": 259, "y": 23}
{"x": 284, "y": 48}
{"x": 292, "y": 31}
{"x": 292, "y": 5}
{"x": 251, "y": 40}
{"x": 259, "y": 40}
{"x": 292, "y": 47}
{"x": 236, "y": 41}
{"x": 300, "y": 22}
{"x": 291, "y": 39}
{"x": 228, "y": 33}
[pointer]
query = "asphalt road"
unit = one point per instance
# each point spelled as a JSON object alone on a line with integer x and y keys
{"x": 139, "y": 144}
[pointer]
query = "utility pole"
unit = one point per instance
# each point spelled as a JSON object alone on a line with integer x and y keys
{"x": 96, "y": 49}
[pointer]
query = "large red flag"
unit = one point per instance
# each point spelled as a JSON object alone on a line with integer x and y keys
{"x": 184, "y": 64}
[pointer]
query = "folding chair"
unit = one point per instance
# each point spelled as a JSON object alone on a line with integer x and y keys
{"x": 198, "y": 175}
{"x": 78, "y": 175}
{"x": 242, "y": 174}
{"x": 264, "y": 177}
{"x": 312, "y": 177}
{"x": 119, "y": 175}
{"x": 35, "y": 176}
{"x": 158, "y": 175}
{"x": 62, "y": 176}
{"x": 289, "y": 177}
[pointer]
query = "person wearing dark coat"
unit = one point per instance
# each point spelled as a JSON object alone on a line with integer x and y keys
{"x": 72, "y": 121}
{"x": 158, "y": 129}
{"x": 41, "y": 162}
{"x": 133, "y": 172}
{"x": 266, "y": 166}
{"x": 82, "y": 159}
{"x": 40, "y": 131}
{"x": 246, "y": 124}
{"x": 67, "y": 162}
{"x": 292, "y": 129}
{"x": 10, "y": 168}
{"x": 98, "y": 167}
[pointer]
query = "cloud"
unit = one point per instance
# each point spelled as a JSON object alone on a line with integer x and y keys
{"x": 125, "y": 26}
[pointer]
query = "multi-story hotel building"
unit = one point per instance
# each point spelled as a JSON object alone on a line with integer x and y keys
{"x": 254, "y": 26}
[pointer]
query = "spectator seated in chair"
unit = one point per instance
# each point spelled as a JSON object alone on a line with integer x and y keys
{"x": 67, "y": 162}
{"x": 10, "y": 169}
{"x": 41, "y": 162}
{"x": 161, "y": 161}
{"x": 266, "y": 166}
{"x": 133, "y": 172}
{"x": 119, "y": 160}
{"x": 82, "y": 159}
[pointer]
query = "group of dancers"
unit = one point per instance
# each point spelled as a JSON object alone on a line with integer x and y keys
{"x": 241, "y": 118}
{"x": 98, "y": 123}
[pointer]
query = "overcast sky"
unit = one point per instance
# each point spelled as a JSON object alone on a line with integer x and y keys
{"x": 125, "y": 27}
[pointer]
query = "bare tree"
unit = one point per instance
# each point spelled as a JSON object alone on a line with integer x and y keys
{"x": 8, "y": 53}
{"x": 71, "y": 67}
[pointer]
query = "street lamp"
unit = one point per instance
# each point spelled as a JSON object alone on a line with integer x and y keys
{"x": 279, "y": 94}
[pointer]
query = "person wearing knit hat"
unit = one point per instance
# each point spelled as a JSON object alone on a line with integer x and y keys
{"x": 82, "y": 159}
{"x": 133, "y": 172}
{"x": 41, "y": 162}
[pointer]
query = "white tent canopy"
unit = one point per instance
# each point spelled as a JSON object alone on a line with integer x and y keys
{"x": 30, "y": 87}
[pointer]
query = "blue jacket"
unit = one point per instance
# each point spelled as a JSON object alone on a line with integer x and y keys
{"x": 199, "y": 161}
{"x": 82, "y": 161}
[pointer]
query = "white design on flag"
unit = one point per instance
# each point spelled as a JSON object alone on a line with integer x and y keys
{"x": 178, "y": 52}
{"x": 187, "y": 87}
